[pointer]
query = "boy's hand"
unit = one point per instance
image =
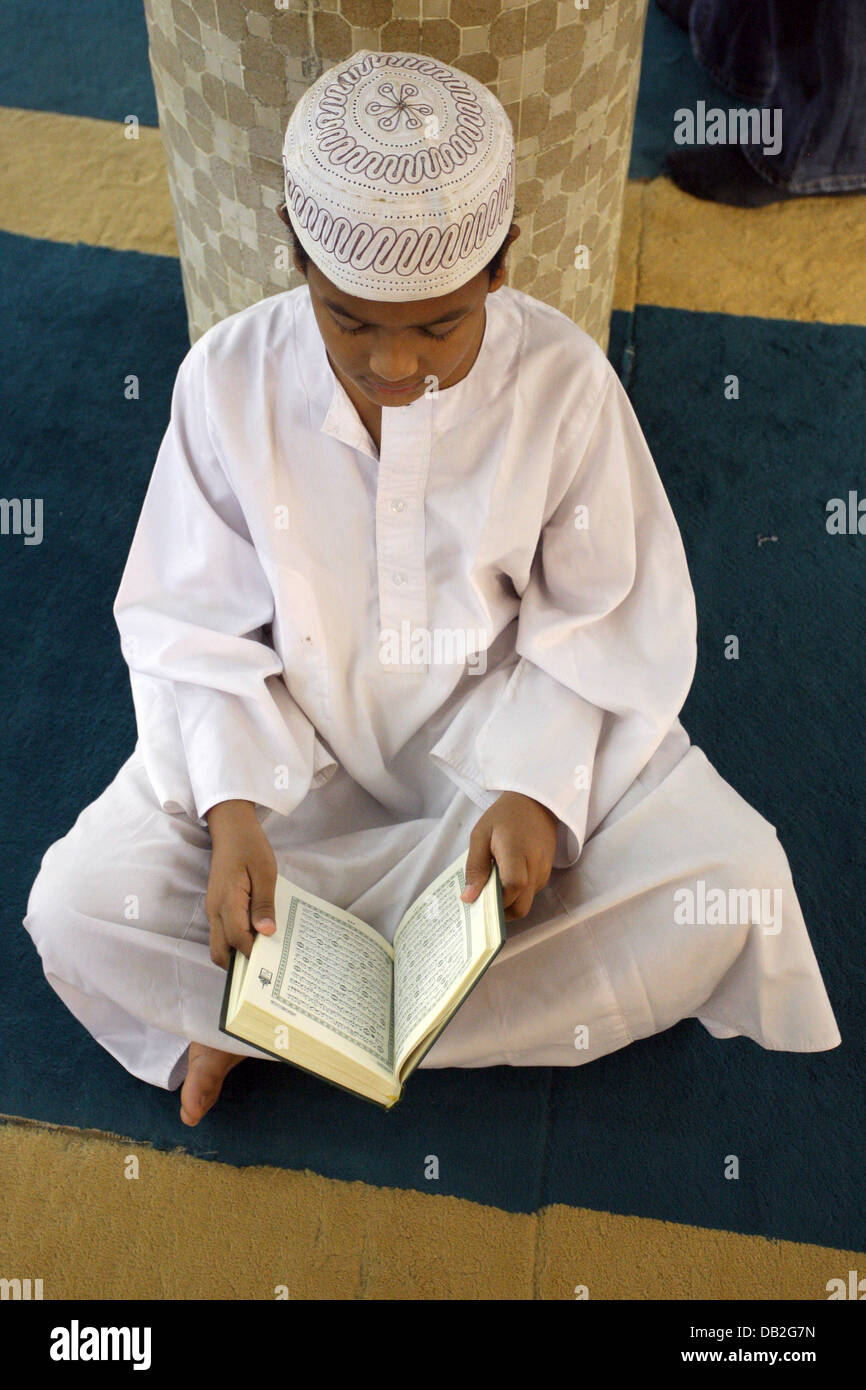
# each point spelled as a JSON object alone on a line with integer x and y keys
{"x": 520, "y": 834}
{"x": 243, "y": 875}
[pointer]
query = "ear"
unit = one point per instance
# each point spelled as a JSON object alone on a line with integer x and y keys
{"x": 283, "y": 215}
{"x": 499, "y": 278}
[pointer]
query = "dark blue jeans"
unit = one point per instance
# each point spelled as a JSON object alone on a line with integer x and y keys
{"x": 806, "y": 57}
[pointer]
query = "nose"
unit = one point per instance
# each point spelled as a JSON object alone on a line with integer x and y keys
{"x": 393, "y": 361}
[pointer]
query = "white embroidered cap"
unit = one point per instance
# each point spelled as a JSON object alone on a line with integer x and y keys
{"x": 399, "y": 175}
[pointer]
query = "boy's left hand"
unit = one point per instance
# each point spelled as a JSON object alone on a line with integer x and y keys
{"x": 520, "y": 834}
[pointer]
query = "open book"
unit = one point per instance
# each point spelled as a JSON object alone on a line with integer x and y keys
{"x": 331, "y": 995}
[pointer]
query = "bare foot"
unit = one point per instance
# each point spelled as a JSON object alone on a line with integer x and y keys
{"x": 206, "y": 1071}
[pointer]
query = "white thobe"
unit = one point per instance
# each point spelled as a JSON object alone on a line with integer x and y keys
{"x": 371, "y": 645}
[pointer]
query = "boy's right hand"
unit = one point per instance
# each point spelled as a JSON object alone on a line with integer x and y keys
{"x": 243, "y": 876}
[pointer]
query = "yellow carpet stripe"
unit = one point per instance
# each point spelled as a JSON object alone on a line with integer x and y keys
{"x": 800, "y": 260}
{"x": 186, "y": 1228}
{"x": 70, "y": 178}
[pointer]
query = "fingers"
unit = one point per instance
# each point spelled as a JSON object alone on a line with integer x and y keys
{"x": 240, "y": 900}
{"x": 230, "y": 926}
{"x": 263, "y": 882}
{"x": 220, "y": 951}
{"x": 235, "y": 919}
{"x": 518, "y": 883}
{"x": 478, "y": 864}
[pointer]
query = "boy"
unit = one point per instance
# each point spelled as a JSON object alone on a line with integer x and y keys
{"x": 405, "y": 556}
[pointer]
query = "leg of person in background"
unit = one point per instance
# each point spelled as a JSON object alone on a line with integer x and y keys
{"x": 805, "y": 66}
{"x": 677, "y": 10}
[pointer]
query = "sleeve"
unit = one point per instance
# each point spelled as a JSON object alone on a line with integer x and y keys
{"x": 606, "y": 639}
{"x": 215, "y": 718}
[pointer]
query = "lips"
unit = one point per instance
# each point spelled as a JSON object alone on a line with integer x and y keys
{"x": 389, "y": 390}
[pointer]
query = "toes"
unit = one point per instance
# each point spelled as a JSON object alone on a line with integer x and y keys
{"x": 203, "y": 1085}
{"x": 197, "y": 1104}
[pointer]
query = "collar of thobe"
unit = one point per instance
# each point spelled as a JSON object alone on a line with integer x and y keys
{"x": 441, "y": 409}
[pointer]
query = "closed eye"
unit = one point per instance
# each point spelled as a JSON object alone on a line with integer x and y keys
{"x": 426, "y": 331}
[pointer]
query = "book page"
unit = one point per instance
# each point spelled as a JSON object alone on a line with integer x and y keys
{"x": 332, "y": 970}
{"x": 433, "y": 948}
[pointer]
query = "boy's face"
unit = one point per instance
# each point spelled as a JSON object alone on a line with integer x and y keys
{"x": 389, "y": 351}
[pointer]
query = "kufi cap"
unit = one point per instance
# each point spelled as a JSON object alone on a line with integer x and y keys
{"x": 399, "y": 175}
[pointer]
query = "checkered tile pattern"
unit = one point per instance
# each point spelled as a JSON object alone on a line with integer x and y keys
{"x": 228, "y": 73}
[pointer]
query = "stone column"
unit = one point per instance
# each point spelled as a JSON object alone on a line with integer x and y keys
{"x": 228, "y": 73}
